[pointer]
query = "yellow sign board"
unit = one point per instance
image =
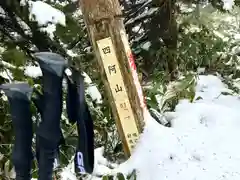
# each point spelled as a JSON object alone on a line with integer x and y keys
{"x": 115, "y": 79}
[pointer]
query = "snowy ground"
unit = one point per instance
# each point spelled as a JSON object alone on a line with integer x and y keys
{"x": 201, "y": 145}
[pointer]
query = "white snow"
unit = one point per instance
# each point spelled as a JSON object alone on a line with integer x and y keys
{"x": 201, "y": 70}
{"x": 46, "y": 15}
{"x": 23, "y": 2}
{"x": 71, "y": 53}
{"x": 6, "y": 74}
{"x": 228, "y": 4}
{"x": 33, "y": 71}
{"x": 210, "y": 87}
{"x": 68, "y": 172}
{"x": 146, "y": 45}
{"x": 92, "y": 89}
{"x": 3, "y": 97}
{"x": 101, "y": 167}
{"x": 29, "y": 70}
{"x": 202, "y": 144}
{"x": 68, "y": 72}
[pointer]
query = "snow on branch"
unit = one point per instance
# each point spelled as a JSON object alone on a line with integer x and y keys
{"x": 46, "y": 15}
{"x": 228, "y": 4}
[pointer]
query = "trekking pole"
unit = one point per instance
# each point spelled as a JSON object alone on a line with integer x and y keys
{"x": 77, "y": 110}
{"x": 49, "y": 132}
{"x": 19, "y": 95}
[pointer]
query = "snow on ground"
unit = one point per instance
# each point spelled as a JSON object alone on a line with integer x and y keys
{"x": 101, "y": 167}
{"x": 210, "y": 87}
{"x": 202, "y": 144}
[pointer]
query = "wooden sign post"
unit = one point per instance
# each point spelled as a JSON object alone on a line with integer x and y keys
{"x": 105, "y": 27}
{"x": 118, "y": 90}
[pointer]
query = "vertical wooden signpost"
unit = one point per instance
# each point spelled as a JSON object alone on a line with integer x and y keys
{"x": 104, "y": 22}
{"x": 119, "y": 93}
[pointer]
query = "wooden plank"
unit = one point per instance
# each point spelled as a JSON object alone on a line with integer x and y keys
{"x": 115, "y": 79}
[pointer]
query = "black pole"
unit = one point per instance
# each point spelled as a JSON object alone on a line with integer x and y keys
{"x": 48, "y": 131}
{"x": 19, "y": 95}
{"x": 38, "y": 100}
{"x": 78, "y": 111}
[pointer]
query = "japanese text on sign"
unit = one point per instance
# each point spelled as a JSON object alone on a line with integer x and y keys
{"x": 106, "y": 50}
{"x": 118, "y": 90}
{"x": 112, "y": 69}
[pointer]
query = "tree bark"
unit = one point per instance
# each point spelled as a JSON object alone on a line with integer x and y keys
{"x": 103, "y": 19}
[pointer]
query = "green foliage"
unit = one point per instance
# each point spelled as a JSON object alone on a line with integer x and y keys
{"x": 120, "y": 176}
{"x": 199, "y": 48}
{"x": 14, "y": 56}
{"x": 71, "y": 32}
{"x": 165, "y": 97}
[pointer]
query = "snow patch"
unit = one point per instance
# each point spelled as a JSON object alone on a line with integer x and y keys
{"x": 71, "y": 53}
{"x": 200, "y": 145}
{"x": 23, "y": 2}
{"x": 68, "y": 72}
{"x": 6, "y": 74}
{"x": 33, "y": 71}
{"x": 210, "y": 87}
{"x": 101, "y": 167}
{"x": 146, "y": 45}
{"x": 228, "y": 4}
{"x": 92, "y": 89}
{"x": 46, "y": 15}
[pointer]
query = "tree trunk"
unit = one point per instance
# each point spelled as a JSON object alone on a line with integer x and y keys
{"x": 116, "y": 66}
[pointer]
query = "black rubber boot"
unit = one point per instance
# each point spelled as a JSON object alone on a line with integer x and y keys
{"x": 78, "y": 111}
{"x": 19, "y": 95}
{"x": 48, "y": 131}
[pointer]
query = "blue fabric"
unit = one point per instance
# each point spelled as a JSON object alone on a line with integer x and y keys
{"x": 38, "y": 100}
{"x": 78, "y": 111}
{"x": 22, "y": 125}
{"x": 49, "y": 132}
